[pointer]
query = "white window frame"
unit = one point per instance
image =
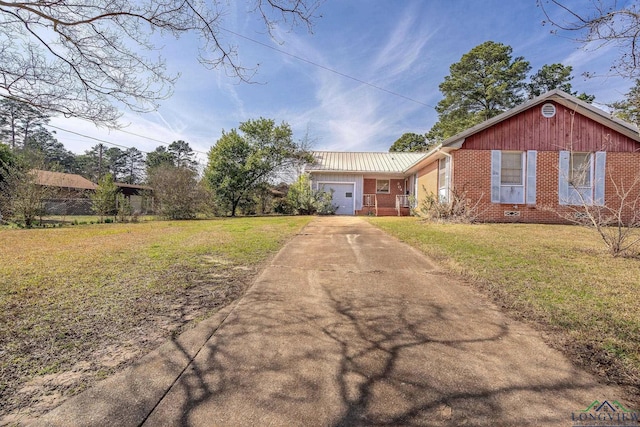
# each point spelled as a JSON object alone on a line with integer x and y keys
{"x": 594, "y": 193}
{"x": 444, "y": 168}
{"x": 516, "y": 194}
{"x": 523, "y": 169}
{"x": 388, "y": 186}
{"x": 571, "y": 169}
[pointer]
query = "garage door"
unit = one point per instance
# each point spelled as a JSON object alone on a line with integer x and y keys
{"x": 342, "y": 197}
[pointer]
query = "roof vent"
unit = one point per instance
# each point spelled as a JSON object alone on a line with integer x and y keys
{"x": 548, "y": 110}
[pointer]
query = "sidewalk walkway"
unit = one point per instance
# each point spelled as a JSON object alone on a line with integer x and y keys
{"x": 347, "y": 326}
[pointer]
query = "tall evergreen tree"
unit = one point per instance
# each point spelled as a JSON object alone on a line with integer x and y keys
{"x": 485, "y": 82}
{"x": 410, "y": 142}
{"x": 183, "y": 155}
{"x": 629, "y": 108}
{"x": 18, "y": 121}
{"x": 134, "y": 166}
{"x": 159, "y": 157}
{"x": 554, "y": 76}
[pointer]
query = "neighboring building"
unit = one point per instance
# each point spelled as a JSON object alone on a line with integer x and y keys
{"x": 528, "y": 164}
{"x": 72, "y": 193}
{"x": 365, "y": 183}
{"x": 139, "y": 196}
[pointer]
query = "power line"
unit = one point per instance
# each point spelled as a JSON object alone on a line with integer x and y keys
{"x": 113, "y": 143}
{"x": 103, "y": 140}
{"x": 153, "y": 139}
{"x": 94, "y": 138}
{"x": 331, "y": 70}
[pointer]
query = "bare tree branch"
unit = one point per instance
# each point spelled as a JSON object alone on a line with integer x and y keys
{"x": 606, "y": 22}
{"x": 89, "y": 58}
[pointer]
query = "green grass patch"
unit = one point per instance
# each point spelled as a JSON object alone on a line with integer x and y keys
{"x": 77, "y": 296}
{"x": 561, "y": 276}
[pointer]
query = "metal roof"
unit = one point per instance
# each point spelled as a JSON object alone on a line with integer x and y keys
{"x": 339, "y": 161}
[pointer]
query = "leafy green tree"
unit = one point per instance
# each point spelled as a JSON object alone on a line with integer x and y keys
{"x": 410, "y": 142}
{"x": 485, "y": 82}
{"x": 549, "y": 77}
{"x": 43, "y": 146}
{"x": 629, "y": 108}
{"x": 7, "y": 158}
{"x": 304, "y": 200}
{"x": 300, "y": 196}
{"x": 21, "y": 196}
{"x": 103, "y": 201}
{"x": 92, "y": 164}
{"x": 242, "y": 160}
{"x": 115, "y": 162}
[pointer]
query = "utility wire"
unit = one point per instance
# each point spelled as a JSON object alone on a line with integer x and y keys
{"x": 113, "y": 143}
{"x": 91, "y": 137}
{"x": 331, "y": 70}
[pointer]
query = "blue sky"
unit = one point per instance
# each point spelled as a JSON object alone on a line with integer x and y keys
{"x": 405, "y": 47}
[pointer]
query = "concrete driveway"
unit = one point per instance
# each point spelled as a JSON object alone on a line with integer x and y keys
{"x": 348, "y": 326}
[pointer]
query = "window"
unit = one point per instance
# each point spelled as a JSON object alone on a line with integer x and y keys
{"x": 581, "y": 178}
{"x": 443, "y": 179}
{"x": 382, "y": 186}
{"x": 513, "y": 177}
{"x": 580, "y": 167}
{"x": 512, "y": 168}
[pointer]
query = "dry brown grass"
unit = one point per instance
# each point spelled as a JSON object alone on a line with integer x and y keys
{"x": 78, "y": 303}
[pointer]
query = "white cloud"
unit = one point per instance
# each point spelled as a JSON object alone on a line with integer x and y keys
{"x": 404, "y": 48}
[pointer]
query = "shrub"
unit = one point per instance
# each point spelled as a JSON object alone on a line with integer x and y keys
{"x": 457, "y": 209}
{"x": 304, "y": 200}
{"x": 324, "y": 203}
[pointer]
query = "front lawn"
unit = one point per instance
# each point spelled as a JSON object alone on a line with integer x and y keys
{"x": 78, "y": 303}
{"x": 560, "y": 276}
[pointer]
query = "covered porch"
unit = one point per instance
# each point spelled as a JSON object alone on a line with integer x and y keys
{"x": 385, "y": 196}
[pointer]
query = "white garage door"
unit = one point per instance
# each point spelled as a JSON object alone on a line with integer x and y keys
{"x": 343, "y": 197}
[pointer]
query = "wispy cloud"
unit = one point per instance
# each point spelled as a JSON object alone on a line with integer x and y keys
{"x": 404, "y": 47}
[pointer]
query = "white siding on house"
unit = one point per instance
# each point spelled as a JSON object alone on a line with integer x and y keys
{"x": 331, "y": 177}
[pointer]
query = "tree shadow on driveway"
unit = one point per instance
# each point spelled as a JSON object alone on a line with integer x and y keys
{"x": 331, "y": 355}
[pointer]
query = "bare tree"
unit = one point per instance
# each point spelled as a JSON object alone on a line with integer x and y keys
{"x": 85, "y": 58}
{"x": 21, "y": 196}
{"x": 616, "y": 219}
{"x": 177, "y": 192}
{"x": 606, "y": 23}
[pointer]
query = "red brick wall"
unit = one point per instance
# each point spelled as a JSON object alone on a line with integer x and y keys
{"x": 472, "y": 175}
{"x": 396, "y": 187}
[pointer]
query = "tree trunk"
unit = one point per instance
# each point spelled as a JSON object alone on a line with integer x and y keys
{"x": 234, "y": 205}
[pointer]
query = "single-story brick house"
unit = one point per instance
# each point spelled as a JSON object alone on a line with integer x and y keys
{"x": 529, "y": 164}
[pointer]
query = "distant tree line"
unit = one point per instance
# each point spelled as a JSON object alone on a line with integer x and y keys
{"x": 244, "y": 174}
{"x": 23, "y": 129}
